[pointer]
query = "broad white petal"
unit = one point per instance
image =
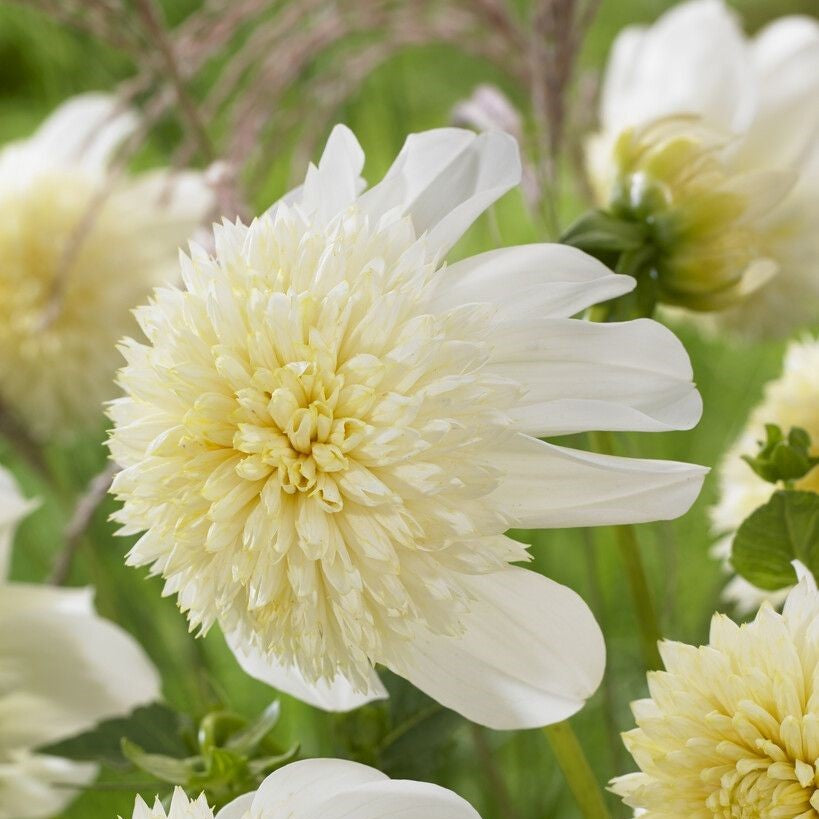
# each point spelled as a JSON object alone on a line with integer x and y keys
{"x": 581, "y": 376}
{"x": 335, "y": 183}
{"x": 552, "y": 487}
{"x": 84, "y": 130}
{"x": 68, "y": 668}
{"x": 300, "y": 787}
{"x": 544, "y": 281}
{"x": 34, "y": 786}
{"x": 786, "y": 61}
{"x": 239, "y": 808}
{"x": 340, "y": 695}
{"x": 394, "y": 799}
{"x": 531, "y": 655}
{"x": 444, "y": 179}
{"x": 693, "y": 60}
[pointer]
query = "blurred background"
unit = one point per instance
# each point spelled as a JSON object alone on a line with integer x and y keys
{"x": 266, "y": 82}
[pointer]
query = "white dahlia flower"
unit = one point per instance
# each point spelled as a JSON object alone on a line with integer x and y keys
{"x": 792, "y": 400}
{"x": 739, "y": 178}
{"x": 330, "y": 430}
{"x": 731, "y": 729}
{"x": 81, "y": 246}
{"x": 62, "y": 670}
{"x": 324, "y": 789}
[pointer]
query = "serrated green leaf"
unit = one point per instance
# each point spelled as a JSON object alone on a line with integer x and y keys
{"x": 784, "y": 529}
{"x": 156, "y": 728}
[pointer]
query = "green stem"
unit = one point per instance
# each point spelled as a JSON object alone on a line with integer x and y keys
{"x": 577, "y": 771}
{"x": 650, "y": 634}
{"x": 629, "y": 547}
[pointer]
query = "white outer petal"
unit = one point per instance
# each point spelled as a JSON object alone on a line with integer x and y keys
{"x": 551, "y": 486}
{"x": 335, "y": 183}
{"x": 785, "y": 131}
{"x": 239, "y": 808}
{"x": 338, "y": 696}
{"x": 301, "y": 787}
{"x": 444, "y": 179}
{"x": 581, "y": 376}
{"x": 393, "y": 799}
{"x": 693, "y": 60}
{"x": 68, "y": 668}
{"x": 539, "y": 280}
{"x": 531, "y": 655}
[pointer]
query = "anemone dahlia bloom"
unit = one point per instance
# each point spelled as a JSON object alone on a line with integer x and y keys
{"x": 81, "y": 246}
{"x": 792, "y": 400}
{"x": 732, "y": 728}
{"x": 325, "y": 788}
{"x": 731, "y": 195}
{"x": 330, "y": 430}
{"x": 62, "y": 669}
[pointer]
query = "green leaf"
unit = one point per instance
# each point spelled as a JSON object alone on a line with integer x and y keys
{"x": 156, "y": 728}
{"x": 784, "y": 529}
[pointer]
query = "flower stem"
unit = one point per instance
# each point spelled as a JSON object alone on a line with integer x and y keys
{"x": 650, "y": 633}
{"x": 576, "y": 770}
{"x": 629, "y": 547}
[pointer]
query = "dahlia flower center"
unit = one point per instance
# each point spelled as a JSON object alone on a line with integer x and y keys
{"x": 298, "y": 431}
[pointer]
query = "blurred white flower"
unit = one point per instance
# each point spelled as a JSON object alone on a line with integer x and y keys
{"x": 792, "y": 400}
{"x": 62, "y": 670}
{"x": 759, "y": 100}
{"x": 731, "y": 729}
{"x": 331, "y": 430}
{"x": 81, "y": 246}
{"x": 180, "y": 808}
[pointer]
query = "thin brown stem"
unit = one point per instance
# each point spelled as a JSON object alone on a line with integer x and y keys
{"x": 150, "y": 15}
{"x": 81, "y": 518}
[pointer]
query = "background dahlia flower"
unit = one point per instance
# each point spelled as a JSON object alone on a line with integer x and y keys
{"x": 62, "y": 669}
{"x": 324, "y": 789}
{"x": 792, "y": 400}
{"x": 330, "y": 430}
{"x": 82, "y": 244}
{"x": 714, "y": 136}
{"x": 732, "y": 728}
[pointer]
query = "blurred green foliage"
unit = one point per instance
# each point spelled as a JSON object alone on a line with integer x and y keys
{"x": 506, "y": 776}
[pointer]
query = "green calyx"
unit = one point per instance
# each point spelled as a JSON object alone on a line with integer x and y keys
{"x": 231, "y": 756}
{"x": 783, "y": 458}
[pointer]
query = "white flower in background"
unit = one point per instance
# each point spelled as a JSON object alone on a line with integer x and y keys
{"x": 81, "y": 246}
{"x": 180, "y": 808}
{"x": 330, "y": 431}
{"x": 325, "y": 789}
{"x": 792, "y": 400}
{"x": 732, "y": 728}
{"x": 62, "y": 670}
{"x": 744, "y": 158}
